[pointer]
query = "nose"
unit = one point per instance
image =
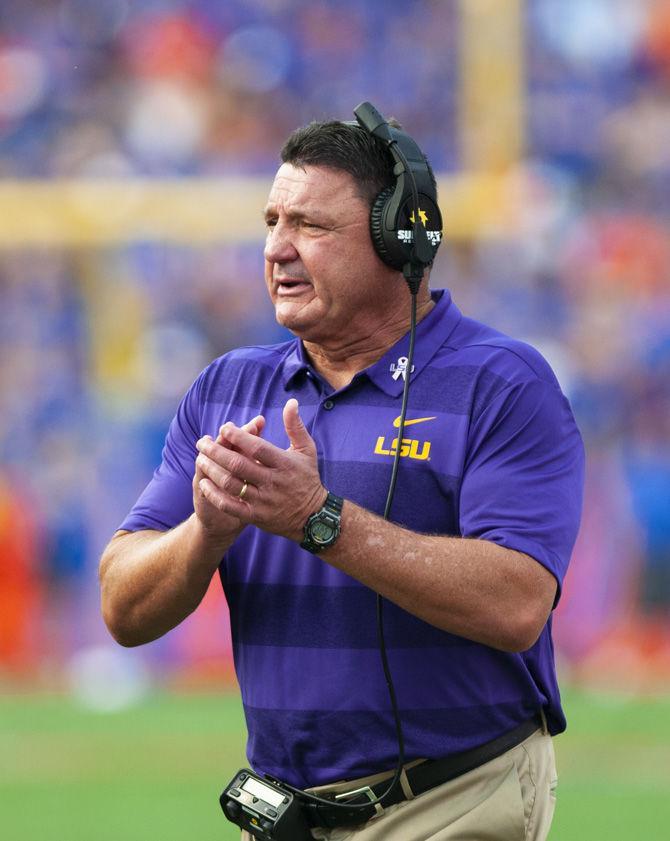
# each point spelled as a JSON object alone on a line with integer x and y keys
{"x": 279, "y": 247}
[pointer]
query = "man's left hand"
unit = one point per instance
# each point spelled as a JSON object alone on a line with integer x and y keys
{"x": 283, "y": 487}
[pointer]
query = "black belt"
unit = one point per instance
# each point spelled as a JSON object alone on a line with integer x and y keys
{"x": 421, "y": 778}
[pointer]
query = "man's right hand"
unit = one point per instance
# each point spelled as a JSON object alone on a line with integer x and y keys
{"x": 217, "y": 526}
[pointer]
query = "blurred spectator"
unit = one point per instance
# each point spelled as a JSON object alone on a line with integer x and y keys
{"x": 647, "y": 454}
{"x": 21, "y": 585}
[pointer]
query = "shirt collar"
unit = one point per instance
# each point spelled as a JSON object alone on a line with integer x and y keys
{"x": 431, "y": 333}
{"x": 295, "y": 364}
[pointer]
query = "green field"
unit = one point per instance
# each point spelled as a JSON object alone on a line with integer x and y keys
{"x": 155, "y": 771}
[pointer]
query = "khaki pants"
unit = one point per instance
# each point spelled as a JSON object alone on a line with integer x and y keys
{"x": 511, "y": 798}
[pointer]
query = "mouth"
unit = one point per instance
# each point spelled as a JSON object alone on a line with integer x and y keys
{"x": 291, "y": 286}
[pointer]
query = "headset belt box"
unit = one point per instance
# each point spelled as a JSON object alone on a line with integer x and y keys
{"x": 266, "y": 811}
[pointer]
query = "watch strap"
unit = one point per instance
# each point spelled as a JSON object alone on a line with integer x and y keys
{"x": 329, "y": 513}
{"x": 333, "y": 504}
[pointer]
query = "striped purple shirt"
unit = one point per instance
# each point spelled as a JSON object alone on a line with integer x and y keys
{"x": 491, "y": 451}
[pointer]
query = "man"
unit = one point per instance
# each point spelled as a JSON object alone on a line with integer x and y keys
{"x": 483, "y": 522}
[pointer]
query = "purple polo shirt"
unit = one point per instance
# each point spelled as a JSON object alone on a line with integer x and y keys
{"x": 494, "y": 453}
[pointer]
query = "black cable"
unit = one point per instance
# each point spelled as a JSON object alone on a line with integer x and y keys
{"x": 313, "y": 798}
{"x": 403, "y": 409}
{"x": 387, "y": 513}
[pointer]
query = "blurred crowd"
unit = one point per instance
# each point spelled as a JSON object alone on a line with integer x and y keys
{"x": 97, "y": 345}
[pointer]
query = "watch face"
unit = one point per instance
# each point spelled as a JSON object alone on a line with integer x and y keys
{"x": 321, "y": 532}
{"x": 323, "y": 527}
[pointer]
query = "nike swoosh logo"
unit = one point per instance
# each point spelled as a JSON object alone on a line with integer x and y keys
{"x": 396, "y": 422}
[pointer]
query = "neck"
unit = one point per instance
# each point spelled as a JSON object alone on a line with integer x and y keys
{"x": 339, "y": 361}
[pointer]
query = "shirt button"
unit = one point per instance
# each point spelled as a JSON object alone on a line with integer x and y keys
{"x": 328, "y": 404}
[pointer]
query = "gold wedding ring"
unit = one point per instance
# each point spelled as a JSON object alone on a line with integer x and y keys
{"x": 244, "y": 490}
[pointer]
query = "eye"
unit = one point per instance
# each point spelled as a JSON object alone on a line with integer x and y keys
{"x": 270, "y": 222}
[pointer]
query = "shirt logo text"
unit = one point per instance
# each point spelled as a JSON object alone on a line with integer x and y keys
{"x": 409, "y": 447}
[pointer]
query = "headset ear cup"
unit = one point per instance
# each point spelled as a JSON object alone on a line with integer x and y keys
{"x": 377, "y": 214}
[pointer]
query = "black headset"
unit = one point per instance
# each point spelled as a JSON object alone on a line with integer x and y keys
{"x": 405, "y": 220}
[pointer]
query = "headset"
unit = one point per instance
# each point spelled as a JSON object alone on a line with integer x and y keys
{"x": 405, "y": 220}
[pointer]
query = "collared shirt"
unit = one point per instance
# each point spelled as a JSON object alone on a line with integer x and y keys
{"x": 490, "y": 451}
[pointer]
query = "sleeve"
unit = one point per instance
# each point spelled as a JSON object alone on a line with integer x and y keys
{"x": 523, "y": 480}
{"x": 168, "y": 498}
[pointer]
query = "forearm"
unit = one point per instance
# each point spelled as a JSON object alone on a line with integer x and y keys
{"x": 473, "y": 588}
{"x": 150, "y": 581}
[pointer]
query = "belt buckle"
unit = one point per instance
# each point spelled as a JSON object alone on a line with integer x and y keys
{"x": 366, "y": 791}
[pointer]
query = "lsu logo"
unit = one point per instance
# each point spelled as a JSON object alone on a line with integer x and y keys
{"x": 409, "y": 447}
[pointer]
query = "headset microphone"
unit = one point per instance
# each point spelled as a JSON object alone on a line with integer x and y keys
{"x": 368, "y": 117}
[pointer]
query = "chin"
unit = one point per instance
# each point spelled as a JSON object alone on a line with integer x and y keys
{"x": 295, "y": 320}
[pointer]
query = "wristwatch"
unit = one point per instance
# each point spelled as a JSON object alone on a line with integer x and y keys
{"x": 323, "y": 528}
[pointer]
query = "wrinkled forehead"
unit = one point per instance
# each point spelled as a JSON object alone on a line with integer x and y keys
{"x": 299, "y": 189}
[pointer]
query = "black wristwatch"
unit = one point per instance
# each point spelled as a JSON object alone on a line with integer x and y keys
{"x": 323, "y": 528}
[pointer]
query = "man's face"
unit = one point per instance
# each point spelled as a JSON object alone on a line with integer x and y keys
{"x": 322, "y": 273}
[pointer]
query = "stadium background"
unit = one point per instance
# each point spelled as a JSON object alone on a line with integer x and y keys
{"x": 137, "y": 144}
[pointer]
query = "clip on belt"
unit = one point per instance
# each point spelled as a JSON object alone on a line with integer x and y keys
{"x": 421, "y": 778}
